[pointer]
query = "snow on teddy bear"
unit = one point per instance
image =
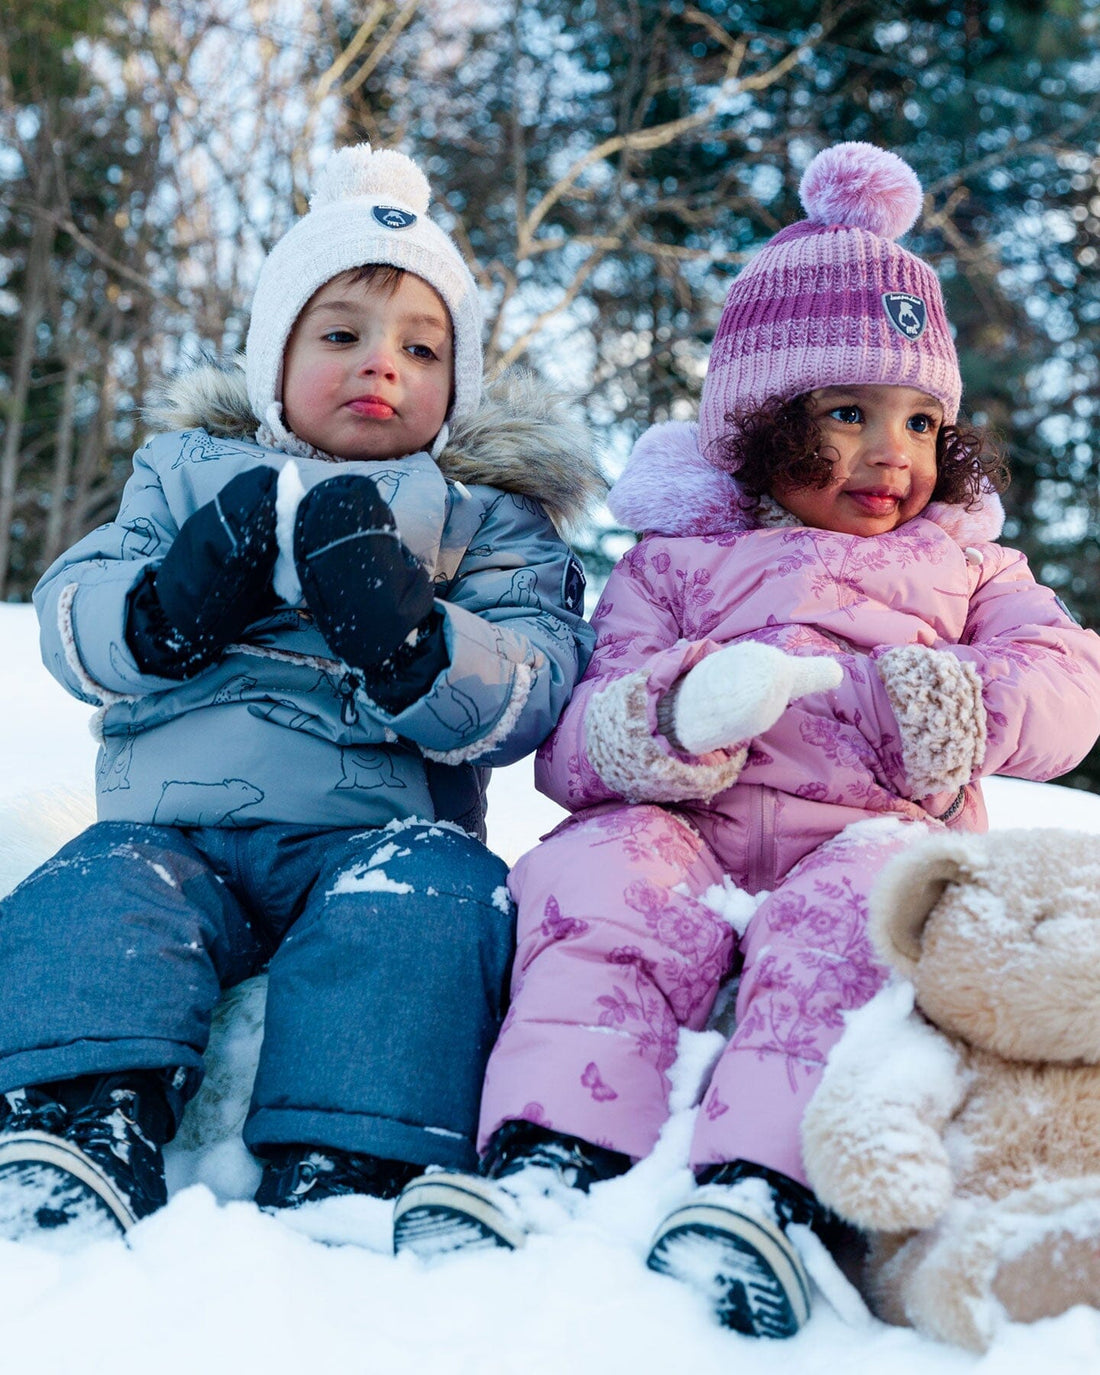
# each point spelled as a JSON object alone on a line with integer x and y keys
{"x": 958, "y": 1121}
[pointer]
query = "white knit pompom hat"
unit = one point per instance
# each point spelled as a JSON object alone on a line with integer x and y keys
{"x": 368, "y": 208}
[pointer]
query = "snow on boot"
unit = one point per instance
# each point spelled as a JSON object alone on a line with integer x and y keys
{"x": 72, "y": 1177}
{"x": 729, "y": 1242}
{"x": 296, "y": 1175}
{"x": 531, "y": 1181}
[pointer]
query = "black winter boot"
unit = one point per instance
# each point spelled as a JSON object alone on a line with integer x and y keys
{"x": 730, "y": 1242}
{"x": 294, "y": 1175}
{"x": 531, "y": 1181}
{"x": 81, "y": 1160}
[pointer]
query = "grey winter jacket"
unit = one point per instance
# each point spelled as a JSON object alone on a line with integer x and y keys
{"x": 279, "y": 729}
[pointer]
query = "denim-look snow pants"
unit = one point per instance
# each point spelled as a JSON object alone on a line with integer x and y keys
{"x": 388, "y": 952}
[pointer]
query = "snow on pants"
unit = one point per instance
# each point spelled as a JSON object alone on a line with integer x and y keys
{"x": 389, "y": 953}
{"x": 616, "y": 950}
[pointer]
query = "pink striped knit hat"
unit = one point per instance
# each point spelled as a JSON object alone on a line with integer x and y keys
{"x": 833, "y": 300}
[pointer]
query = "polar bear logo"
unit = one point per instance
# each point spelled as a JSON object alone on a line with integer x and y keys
{"x": 185, "y": 803}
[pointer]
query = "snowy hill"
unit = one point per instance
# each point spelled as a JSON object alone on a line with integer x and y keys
{"x": 212, "y": 1285}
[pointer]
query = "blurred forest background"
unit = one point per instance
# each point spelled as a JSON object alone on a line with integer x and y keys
{"x": 609, "y": 164}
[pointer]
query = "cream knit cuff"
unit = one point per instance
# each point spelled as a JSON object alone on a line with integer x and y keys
{"x": 622, "y": 750}
{"x": 937, "y": 701}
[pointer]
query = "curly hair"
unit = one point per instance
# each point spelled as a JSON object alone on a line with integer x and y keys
{"x": 779, "y": 444}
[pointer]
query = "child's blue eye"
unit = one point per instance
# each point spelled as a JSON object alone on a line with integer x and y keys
{"x": 338, "y": 336}
{"x": 421, "y": 351}
{"x": 847, "y": 415}
{"x": 923, "y": 424}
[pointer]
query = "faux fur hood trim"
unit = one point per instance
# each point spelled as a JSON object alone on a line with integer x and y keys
{"x": 522, "y": 438}
{"x": 669, "y": 488}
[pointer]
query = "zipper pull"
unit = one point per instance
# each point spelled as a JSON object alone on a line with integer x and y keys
{"x": 350, "y": 684}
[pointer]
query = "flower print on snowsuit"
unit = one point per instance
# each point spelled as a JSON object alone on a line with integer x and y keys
{"x": 617, "y": 945}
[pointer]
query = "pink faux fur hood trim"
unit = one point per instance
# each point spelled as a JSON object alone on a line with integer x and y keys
{"x": 669, "y": 488}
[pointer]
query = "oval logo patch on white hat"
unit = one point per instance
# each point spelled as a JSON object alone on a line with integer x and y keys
{"x": 906, "y": 313}
{"x": 391, "y": 218}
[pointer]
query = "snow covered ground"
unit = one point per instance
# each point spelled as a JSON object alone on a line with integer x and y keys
{"x": 211, "y": 1285}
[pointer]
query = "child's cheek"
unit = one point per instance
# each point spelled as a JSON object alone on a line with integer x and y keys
{"x": 313, "y": 381}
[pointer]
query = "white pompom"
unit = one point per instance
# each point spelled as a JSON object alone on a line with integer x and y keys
{"x": 386, "y": 175}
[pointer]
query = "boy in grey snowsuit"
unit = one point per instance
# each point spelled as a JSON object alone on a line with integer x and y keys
{"x": 330, "y": 601}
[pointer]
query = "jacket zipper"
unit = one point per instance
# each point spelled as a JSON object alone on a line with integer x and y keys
{"x": 761, "y": 846}
{"x": 349, "y": 685}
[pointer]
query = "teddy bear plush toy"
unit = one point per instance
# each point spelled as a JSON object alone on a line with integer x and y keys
{"x": 958, "y": 1120}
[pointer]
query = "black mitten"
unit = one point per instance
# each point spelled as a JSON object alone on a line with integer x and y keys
{"x": 366, "y": 591}
{"x": 214, "y": 581}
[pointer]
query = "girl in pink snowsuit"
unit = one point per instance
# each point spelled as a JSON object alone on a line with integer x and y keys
{"x": 810, "y": 660}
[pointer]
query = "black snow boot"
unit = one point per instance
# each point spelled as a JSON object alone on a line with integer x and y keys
{"x": 531, "y": 1180}
{"x": 294, "y": 1175}
{"x": 730, "y": 1242}
{"x": 81, "y": 1160}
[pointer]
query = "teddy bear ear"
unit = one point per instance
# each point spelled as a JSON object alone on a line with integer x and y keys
{"x": 906, "y": 892}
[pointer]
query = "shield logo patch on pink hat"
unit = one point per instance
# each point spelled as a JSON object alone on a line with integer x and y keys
{"x": 908, "y": 314}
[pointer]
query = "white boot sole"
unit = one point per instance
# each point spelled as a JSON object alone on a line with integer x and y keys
{"x": 440, "y": 1213}
{"x": 745, "y": 1266}
{"x": 90, "y": 1191}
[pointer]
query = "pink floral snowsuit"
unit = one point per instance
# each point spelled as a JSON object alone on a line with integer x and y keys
{"x": 617, "y": 945}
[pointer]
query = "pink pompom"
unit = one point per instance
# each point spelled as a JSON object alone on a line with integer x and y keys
{"x": 864, "y": 187}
